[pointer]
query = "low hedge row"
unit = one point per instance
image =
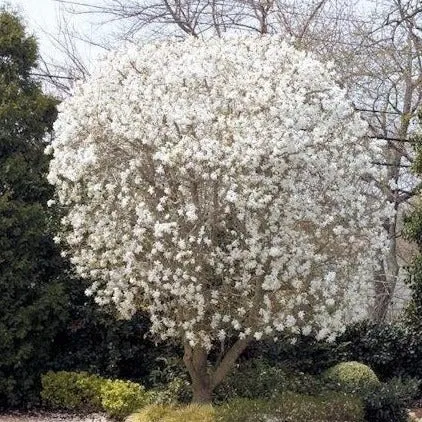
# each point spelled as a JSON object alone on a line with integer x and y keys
{"x": 290, "y": 407}
{"x": 82, "y": 392}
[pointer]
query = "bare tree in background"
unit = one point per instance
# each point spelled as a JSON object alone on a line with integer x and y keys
{"x": 378, "y": 54}
{"x": 386, "y": 82}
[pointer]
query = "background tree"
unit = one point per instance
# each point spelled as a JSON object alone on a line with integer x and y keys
{"x": 46, "y": 320}
{"x": 413, "y": 231}
{"x": 208, "y": 195}
{"x": 31, "y": 299}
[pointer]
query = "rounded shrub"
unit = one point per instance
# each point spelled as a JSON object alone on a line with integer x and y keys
{"x": 121, "y": 398}
{"x": 71, "y": 391}
{"x": 353, "y": 377}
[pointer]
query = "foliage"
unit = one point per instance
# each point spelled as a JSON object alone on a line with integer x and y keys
{"x": 152, "y": 413}
{"x": 78, "y": 391}
{"x": 292, "y": 407}
{"x": 257, "y": 379}
{"x": 389, "y": 403}
{"x": 306, "y": 354}
{"x": 84, "y": 392}
{"x": 177, "y": 390}
{"x": 33, "y": 302}
{"x": 390, "y": 349}
{"x": 330, "y": 406}
{"x": 353, "y": 377}
{"x": 94, "y": 341}
{"x": 169, "y": 381}
{"x": 194, "y": 413}
{"x": 166, "y": 413}
{"x": 413, "y": 311}
{"x": 121, "y": 398}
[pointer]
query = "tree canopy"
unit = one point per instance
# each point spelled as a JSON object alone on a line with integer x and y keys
{"x": 223, "y": 186}
{"x": 31, "y": 299}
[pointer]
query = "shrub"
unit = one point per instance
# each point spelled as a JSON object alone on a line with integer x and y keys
{"x": 292, "y": 407}
{"x": 306, "y": 354}
{"x": 120, "y": 398}
{"x": 391, "y": 350}
{"x": 166, "y": 413}
{"x": 170, "y": 382}
{"x": 81, "y": 391}
{"x": 257, "y": 379}
{"x": 246, "y": 410}
{"x": 176, "y": 391}
{"x": 353, "y": 377}
{"x": 71, "y": 390}
{"x": 389, "y": 403}
{"x": 327, "y": 407}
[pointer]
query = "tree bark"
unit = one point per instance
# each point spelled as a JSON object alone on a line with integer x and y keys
{"x": 196, "y": 361}
{"x": 229, "y": 360}
{"x": 204, "y": 379}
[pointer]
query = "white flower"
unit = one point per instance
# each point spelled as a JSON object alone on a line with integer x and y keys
{"x": 217, "y": 184}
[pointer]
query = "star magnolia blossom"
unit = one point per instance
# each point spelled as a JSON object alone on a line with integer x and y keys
{"x": 224, "y": 186}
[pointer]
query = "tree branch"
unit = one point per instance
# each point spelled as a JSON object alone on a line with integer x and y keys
{"x": 229, "y": 360}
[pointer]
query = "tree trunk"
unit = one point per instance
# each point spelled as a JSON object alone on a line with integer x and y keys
{"x": 196, "y": 361}
{"x": 205, "y": 379}
{"x": 201, "y": 391}
{"x": 386, "y": 279}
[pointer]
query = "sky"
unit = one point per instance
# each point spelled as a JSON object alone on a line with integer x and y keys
{"x": 42, "y": 19}
{"x": 40, "y": 16}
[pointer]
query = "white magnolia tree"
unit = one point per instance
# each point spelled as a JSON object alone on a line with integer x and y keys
{"x": 223, "y": 186}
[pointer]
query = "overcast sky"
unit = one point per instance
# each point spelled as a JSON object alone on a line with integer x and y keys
{"x": 42, "y": 18}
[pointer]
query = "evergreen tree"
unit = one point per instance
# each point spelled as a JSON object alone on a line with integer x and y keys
{"x": 46, "y": 321}
{"x": 32, "y": 300}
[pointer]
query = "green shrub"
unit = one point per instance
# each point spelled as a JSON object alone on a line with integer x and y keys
{"x": 176, "y": 391}
{"x": 80, "y": 391}
{"x": 391, "y": 350}
{"x": 389, "y": 403}
{"x": 71, "y": 391}
{"x": 328, "y": 407}
{"x": 246, "y": 410}
{"x": 168, "y": 413}
{"x": 306, "y": 354}
{"x": 353, "y": 377}
{"x": 292, "y": 407}
{"x": 121, "y": 398}
{"x": 256, "y": 379}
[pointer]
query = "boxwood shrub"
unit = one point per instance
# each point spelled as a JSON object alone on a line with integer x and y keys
{"x": 82, "y": 392}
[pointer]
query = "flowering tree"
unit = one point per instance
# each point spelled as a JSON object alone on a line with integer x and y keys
{"x": 225, "y": 187}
